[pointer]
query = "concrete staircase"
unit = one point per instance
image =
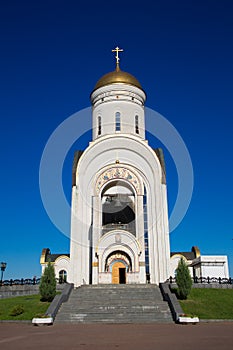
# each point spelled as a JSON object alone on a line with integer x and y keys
{"x": 115, "y": 304}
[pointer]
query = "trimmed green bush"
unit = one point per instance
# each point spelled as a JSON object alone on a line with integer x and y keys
{"x": 17, "y": 310}
{"x": 48, "y": 284}
{"x": 183, "y": 280}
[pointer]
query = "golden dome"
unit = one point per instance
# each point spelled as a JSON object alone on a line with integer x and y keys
{"x": 117, "y": 76}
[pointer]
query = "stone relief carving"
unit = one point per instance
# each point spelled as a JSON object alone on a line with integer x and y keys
{"x": 117, "y": 173}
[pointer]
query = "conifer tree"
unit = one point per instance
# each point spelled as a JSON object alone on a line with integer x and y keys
{"x": 48, "y": 284}
{"x": 183, "y": 280}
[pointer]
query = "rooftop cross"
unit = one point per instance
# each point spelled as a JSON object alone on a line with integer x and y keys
{"x": 117, "y": 50}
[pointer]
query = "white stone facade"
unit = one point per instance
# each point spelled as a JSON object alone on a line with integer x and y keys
{"x": 174, "y": 261}
{"x": 60, "y": 262}
{"x": 119, "y": 165}
{"x": 127, "y": 100}
{"x": 212, "y": 266}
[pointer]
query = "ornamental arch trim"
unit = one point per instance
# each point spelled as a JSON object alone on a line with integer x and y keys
{"x": 118, "y": 173}
{"x": 179, "y": 256}
{"x": 115, "y": 256}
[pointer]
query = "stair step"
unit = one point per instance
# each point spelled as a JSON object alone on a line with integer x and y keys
{"x": 115, "y": 304}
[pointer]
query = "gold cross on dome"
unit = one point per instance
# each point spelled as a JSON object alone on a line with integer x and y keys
{"x": 117, "y": 50}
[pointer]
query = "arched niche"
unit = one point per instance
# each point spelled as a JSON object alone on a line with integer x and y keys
{"x": 118, "y": 240}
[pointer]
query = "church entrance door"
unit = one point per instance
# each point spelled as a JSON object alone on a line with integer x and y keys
{"x": 122, "y": 275}
{"x": 118, "y": 273}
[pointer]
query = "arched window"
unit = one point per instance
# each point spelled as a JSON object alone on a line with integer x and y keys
{"x": 99, "y": 125}
{"x": 136, "y": 124}
{"x": 62, "y": 276}
{"x": 118, "y": 121}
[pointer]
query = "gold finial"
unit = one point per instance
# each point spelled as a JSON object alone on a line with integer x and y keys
{"x": 117, "y": 50}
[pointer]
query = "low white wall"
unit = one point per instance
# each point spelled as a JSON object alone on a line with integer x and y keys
{"x": 214, "y": 266}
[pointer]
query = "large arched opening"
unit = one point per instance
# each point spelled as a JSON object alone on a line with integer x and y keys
{"x": 118, "y": 207}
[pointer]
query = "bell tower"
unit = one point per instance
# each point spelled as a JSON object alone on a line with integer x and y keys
{"x": 119, "y": 220}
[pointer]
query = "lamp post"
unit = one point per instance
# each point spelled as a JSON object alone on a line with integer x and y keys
{"x": 3, "y": 268}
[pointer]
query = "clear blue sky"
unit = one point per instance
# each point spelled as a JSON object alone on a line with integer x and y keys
{"x": 52, "y": 54}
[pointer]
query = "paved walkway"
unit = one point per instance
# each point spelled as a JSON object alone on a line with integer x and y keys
{"x": 107, "y": 337}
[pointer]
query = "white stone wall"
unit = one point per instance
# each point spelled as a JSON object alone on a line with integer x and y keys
{"x": 214, "y": 266}
{"x": 203, "y": 266}
{"x": 126, "y": 99}
{"x": 61, "y": 263}
{"x": 130, "y": 151}
{"x": 174, "y": 261}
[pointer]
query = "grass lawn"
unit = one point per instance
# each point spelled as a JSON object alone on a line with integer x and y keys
{"x": 29, "y": 304}
{"x": 208, "y": 303}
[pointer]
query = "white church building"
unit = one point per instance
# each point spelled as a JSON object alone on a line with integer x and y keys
{"x": 119, "y": 213}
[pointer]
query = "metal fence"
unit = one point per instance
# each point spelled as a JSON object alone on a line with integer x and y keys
{"x": 20, "y": 282}
{"x": 207, "y": 280}
{"x": 35, "y": 281}
{"x": 27, "y": 282}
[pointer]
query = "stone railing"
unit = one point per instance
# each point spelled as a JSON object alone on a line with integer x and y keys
{"x": 59, "y": 300}
{"x": 126, "y": 227}
{"x": 171, "y": 298}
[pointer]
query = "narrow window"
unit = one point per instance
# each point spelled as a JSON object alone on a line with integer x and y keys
{"x": 146, "y": 237}
{"x": 99, "y": 126}
{"x": 136, "y": 124}
{"x": 118, "y": 121}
